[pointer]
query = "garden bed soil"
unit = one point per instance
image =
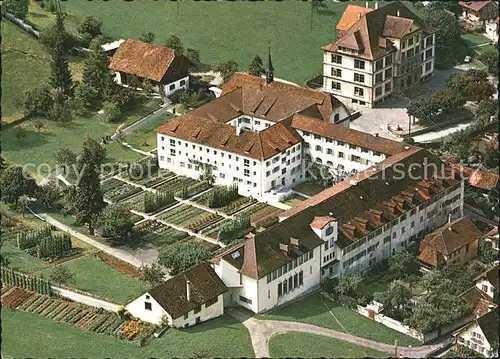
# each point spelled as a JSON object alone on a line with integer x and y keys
{"x": 119, "y": 265}
{"x": 78, "y": 254}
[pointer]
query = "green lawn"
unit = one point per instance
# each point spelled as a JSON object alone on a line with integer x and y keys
{"x": 312, "y": 310}
{"x": 308, "y": 188}
{"x": 144, "y": 138}
{"x": 304, "y": 345}
{"x": 226, "y": 30}
{"x": 294, "y": 199}
{"x": 22, "y": 261}
{"x": 472, "y": 40}
{"x": 94, "y": 276}
{"x": 485, "y": 49}
{"x": 222, "y": 337}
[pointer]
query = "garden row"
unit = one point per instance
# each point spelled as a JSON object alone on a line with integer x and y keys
{"x": 189, "y": 217}
{"x": 92, "y": 319}
{"x": 182, "y": 187}
{"x": 157, "y": 233}
{"x": 261, "y": 215}
{"x": 115, "y": 190}
{"x": 44, "y": 244}
{"x": 228, "y": 229}
{"x": 230, "y": 203}
{"x": 148, "y": 202}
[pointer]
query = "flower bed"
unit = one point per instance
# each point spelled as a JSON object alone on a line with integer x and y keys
{"x": 120, "y": 192}
{"x": 119, "y": 265}
{"x": 190, "y": 217}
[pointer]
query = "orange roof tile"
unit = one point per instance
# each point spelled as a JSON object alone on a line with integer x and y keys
{"x": 352, "y": 13}
{"x": 321, "y": 221}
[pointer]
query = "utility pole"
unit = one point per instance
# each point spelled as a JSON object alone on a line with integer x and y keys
{"x": 395, "y": 348}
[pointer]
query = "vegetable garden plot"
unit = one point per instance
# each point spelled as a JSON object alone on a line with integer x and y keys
{"x": 120, "y": 192}
{"x": 183, "y": 187}
{"x": 156, "y": 178}
{"x": 212, "y": 247}
{"x": 158, "y": 234}
{"x": 190, "y": 217}
{"x": 137, "y": 202}
{"x": 110, "y": 184}
{"x": 231, "y": 207}
{"x": 259, "y": 211}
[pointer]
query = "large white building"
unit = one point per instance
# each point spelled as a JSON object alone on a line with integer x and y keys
{"x": 344, "y": 229}
{"x": 377, "y": 52}
{"x": 263, "y": 134}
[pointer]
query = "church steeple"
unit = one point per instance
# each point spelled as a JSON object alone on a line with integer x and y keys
{"x": 270, "y": 69}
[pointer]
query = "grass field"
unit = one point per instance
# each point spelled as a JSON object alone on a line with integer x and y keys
{"x": 226, "y": 30}
{"x": 304, "y": 345}
{"x": 144, "y": 138}
{"x": 472, "y": 40}
{"x": 312, "y": 310}
{"x": 222, "y": 337}
{"x": 22, "y": 261}
{"x": 308, "y": 188}
{"x": 94, "y": 276}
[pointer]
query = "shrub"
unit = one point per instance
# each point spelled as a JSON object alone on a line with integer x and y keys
{"x": 222, "y": 196}
{"x": 38, "y": 102}
{"x": 90, "y": 26}
{"x": 230, "y": 232}
{"x": 111, "y": 113}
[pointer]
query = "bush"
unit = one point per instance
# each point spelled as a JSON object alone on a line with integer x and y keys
{"x": 38, "y": 102}
{"x": 175, "y": 97}
{"x": 111, "y": 113}
{"x": 231, "y": 231}
{"x": 222, "y": 196}
{"x": 90, "y": 26}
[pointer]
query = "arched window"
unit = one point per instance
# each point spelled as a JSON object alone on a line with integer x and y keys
{"x": 329, "y": 163}
{"x": 318, "y": 160}
{"x": 308, "y": 158}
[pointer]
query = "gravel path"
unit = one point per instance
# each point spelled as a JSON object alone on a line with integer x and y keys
{"x": 262, "y": 331}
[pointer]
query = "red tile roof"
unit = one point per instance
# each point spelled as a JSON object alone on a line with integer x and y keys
{"x": 474, "y": 5}
{"x": 447, "y": 239}
{"x": 340, "y": 133}
{"x": 478, "y": 178}
{"x": 491, "y": 275}
{"x": 259, "y": 145}
{"x": 478, "y": 300}
{"x": 321, "y": 221}
{"x": 371, "y": 33}
{"x": 351, "y": 15}
{"x": 142, "y": 59}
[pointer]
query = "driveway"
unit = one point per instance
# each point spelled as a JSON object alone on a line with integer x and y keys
{"x": 393, "y": 111}
{"x": 262, "y": 331}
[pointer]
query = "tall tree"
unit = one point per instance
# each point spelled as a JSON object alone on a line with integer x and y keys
{"x": 115, "y": 222}
{"x": 85, "y": 199}
{"x": 174, "y": 43}
{"x": 396, "y": 299}
{"x": 180, "y": 256}
{"x": 91, "y": 26}
{"x": 403, "y": 263}
{"x": 152, "y": 274}
{"x": 226, "y": 69}
{"x": 96, "y": 73}
{"x": 256, "y": 67}
{"x": 60, "y": 74}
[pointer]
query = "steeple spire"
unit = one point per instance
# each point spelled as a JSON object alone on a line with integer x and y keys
{"x": 270, "y": 69}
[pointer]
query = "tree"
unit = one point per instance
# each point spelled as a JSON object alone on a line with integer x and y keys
{"x": 490, "y": 59}
{"x": 473, "y": 85}
{"x": 60, "y": 110}
{"x": 148, "y": 37}
{"x": 448, "y": 36}
{"x": 403, "y": 263}
{"x": 182, "y": 255}
{"x": 447, "y": 99}
{"x": 38, "y": 101}
{"x": 452, "y": 6}
{"x": 91, "y": 26}
{"x": 114, "y": 222}
{"x": 84, "y": 96}
{"x": 60, "y": 77}
{"x": 85, "y": 199}
{"x": 38, "y": 124}
{"x": 396, "y": 299}
{"x": 256, "y": 67}
{"x": 487, "y": 108}
{"x": 315, "y": 6}
{"x": 96, "y": 75}
{"x": 49, "y": 195}
{"x": 111, "y": 112}
{"x": 348, "y": 285}
{"x": 207, "y": 175}
{"x": 174, "y": 43}
{"x": 481, "y": 91}
{"x": 152, "y": 274}
{"x": 61, "y": 275}
{"x": 50, "y": 36}
{"x": 486, "y": 252}
{"x": 226, "y": 69}
{"x": 17, "y": 7}
{"x": 193, "y": 55}
{"x": 65, "y": 158}
{"x": 15, "y": 182}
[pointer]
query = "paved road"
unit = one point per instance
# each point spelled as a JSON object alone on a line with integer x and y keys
{"x": 262, "y": 331}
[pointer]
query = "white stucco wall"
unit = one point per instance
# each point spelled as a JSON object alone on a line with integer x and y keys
{"x": 180, "y": 84}
{"x": 206, "y": 313}
{"x": 154, "y": 316}
{"x": 486, "y": 287}
{"x": 473, "y": 337}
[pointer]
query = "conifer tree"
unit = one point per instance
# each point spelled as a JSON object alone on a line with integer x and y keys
{"x": 256, "y": 67}
{"x": 96, "y": 74}
{"x": 60, "y": 74}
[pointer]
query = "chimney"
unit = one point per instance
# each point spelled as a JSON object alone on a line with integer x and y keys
{"x": 376, "y": 5}
{"x": 294, "y": 241}
{"x": 449, "y": 218}
{"x": 188, "y": 290}
{"x": 366, "y": 4}
{"x": 238, "y": 130}
{"x": 353, "y": 182}
{"x": 398, "y": 13}
{"x": 285, "y": 248}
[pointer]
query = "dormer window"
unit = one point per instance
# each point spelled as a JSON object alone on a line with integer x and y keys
{"x": 329, "y": 231}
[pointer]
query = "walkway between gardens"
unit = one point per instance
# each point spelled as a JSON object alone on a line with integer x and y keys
{"x": 262, "y": 331}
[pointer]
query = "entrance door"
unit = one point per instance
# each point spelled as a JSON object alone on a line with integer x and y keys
{"x": 283, "y": 181}
{"x": 198, "y": 320}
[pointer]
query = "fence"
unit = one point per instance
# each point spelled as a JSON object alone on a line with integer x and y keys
{"x": 86, "y": 299}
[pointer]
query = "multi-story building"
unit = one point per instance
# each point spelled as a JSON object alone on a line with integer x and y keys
{"x": 263, "y": 134}
{"x": 344, "y": 229}
{"x": 479, "y": 11}
{"x": 377, "y": 52}
{"x": 480, "y": 335}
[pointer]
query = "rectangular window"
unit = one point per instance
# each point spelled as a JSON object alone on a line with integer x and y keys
{"x": 336, "y": 59}
{"x": 388, "y": 87}
{"x": 290, "y": 283}
{"x": 301, "y": 277}
{"x": 359, "y": 78}
{"x": 280, "y": 289}
{"x": 341, "y": 154}
{"x": 358, "y": 64}
{"x": 378, "y": 91}
{"x": 336, "y": 72}
{"x": 379, "y": 64}
{"x": 358, "y": 91}
{"x": 285, "y": 287}
{"x": 335, "y": 86}
{"x": 428, "y": 66}
{"x": 172, "y": 152}
{"x": 403, "y": 44}
{"x": 429, "y": 41}
{"x": 295, "y": 280}
{"x": 329, "y": 151}
{"x": 388, "y": 73}
{"x": 147, "y": 306}
{"x": 246, "y": 172}
{"x": 410, "y": 41}
{"x": 388, "y": 60}
{"x": 246, "y": 162}
{"x": 379, "y": 77}
{"x": 268, "y": 278}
